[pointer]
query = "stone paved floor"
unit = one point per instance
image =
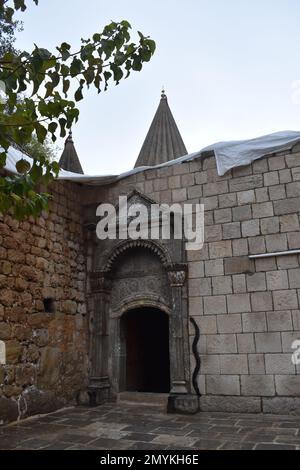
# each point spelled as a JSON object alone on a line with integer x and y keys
{"x": 137, "y": 427}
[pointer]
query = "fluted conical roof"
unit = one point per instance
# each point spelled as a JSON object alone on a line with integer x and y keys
{"x": 69, "y": 160}
{"x": 163, "y": 142}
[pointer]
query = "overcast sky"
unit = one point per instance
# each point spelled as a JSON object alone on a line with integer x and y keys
{"x": 229, "y": 68}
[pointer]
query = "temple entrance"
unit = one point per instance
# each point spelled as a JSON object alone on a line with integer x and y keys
{"x": 146, "y": 360}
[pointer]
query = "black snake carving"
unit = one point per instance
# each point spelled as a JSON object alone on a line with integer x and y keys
{"x": 196, "y": 355}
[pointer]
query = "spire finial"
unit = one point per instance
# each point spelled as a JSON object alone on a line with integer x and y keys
{"x": 163, "y": 93}
{"x": 70, "y": 137}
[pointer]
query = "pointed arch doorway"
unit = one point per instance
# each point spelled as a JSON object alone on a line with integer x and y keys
{"x": 145, "y": 358}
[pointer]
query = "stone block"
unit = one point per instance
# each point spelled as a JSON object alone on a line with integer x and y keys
{"x": 223, "y": 385}
{"x": 194, "y": 192}
{"x": 276, "y": 242}
{"x": 276, "y": 162}
{"x": 214, "y": 267}
{"x": 288, "y": 385}
{"x": 5, "y": 331}
{"x": 287, "y": 206}
{"x": 289, "y": 223}
{"x": 277, "y": 280}
{"x": 227, "y": 200}
{"x": 250, "y": 228}
{"x": 188, "y": 180}
{"x": 221, "y": 344}
{"x": 238, "y": 265}
{"x": 221, "y": 249}
{"x": 214, "y": 189}
{"x": 285, "y": 176}
{"x": 246, "y": 183}
{"x": 196, "y": 306}
{"x": 258, "y": 385}
{"x": 210, "y": 364}
{"x": 179, "y": 195}
{"x": 240, "y": 247}
{"x": 257, "y": 245}
{"x": 210, "y": 203}
{"x": 262, "y": 195}
{"x": 246, "y": 197}
{"x": 293, "y": 189}
{"x": 296, "y": 319}
{"x": 238, "y": 303}
{"x": 239, "y": 283}
{"x": 212, "y": 233}
{"x": 222, "y": 285}
{"x": 288, "y": 338}
{"x": 229, "y": 324}
{"x": 260, "y": 165}
{"x": 287, "y": 262}
{"x": 231, "y": 231}
{"x": 174, "y": 182}
{"x": 296, "y": 174}
{"x": 222, "y": 216}
{"x": 265, "y": 264}
{"x": 199, "y": 287}
{"x": 254, "y": 322}
{"x": 279, "y": 321}
{"x": 201, "y": 177}
{"x": 13, "y": 352}
{"x": 256, "y": 282}
{"x": 241, "y": 213}
{"x": 246, "y": 343}
{"x": 215, "y": 305}
{"x": 256, "y": 364}
{"x": 8, "y": 410}
{"x": 294, "y": 240}
{"x": 279, "y": 364}
{"x": 271, "y": 178}
{"x": 207, "y": 324}
{"x": 262, "y": 301}
{"x": 268, "y": 342}
{"x": 234, "y": 364}
{"x": 196, "y": 269}
{"x": 292, "y": 160}
{"x": 282, "y": 406}
{"x": 230, "y": 404}
{"x": 269, "y": 225}
{"x": 262, "y": 210}
{"x": 285, "y": 299}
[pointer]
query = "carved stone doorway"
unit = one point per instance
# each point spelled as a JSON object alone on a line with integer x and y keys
{"x": 145, "y": 362}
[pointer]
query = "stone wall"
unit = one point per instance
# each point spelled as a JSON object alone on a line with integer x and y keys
{"x": 247, "y": 310}
{"x": 43, "y": 326}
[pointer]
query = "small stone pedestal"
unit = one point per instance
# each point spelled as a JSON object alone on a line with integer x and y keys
{"x": 183, "y": 404}
{"x": 99, "y": 392}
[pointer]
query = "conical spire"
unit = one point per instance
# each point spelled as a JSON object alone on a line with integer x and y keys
{"x": 163, "y": 142}
{"x": 69, "y": 160}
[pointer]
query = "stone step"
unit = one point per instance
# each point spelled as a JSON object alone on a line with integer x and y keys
{"x": 148, "y": 399}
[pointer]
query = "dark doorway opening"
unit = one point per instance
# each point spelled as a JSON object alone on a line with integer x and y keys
{"x": 145, "y": 333}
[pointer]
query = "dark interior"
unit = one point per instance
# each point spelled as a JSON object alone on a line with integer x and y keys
{"x": 146, "y": 336}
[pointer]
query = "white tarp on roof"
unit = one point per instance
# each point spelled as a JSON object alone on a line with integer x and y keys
{"x": 228, "y": 155}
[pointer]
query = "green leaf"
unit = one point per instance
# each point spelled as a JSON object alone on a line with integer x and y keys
{"x": 78, "y": 94}
{"x": 76, "y": 67}
{"x": 41, "y": 132}
{"x": 23, "y": 166}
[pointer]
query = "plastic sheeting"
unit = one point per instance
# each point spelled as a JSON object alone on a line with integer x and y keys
{"x": 228, "y": 155}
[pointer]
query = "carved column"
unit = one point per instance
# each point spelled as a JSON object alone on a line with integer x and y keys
{"x": 99, "y": 381}
{"x": 177, "y": 277}
{"x": 180, "y": 401}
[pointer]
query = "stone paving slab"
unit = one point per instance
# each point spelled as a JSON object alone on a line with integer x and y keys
{"x": 136, "y": 427}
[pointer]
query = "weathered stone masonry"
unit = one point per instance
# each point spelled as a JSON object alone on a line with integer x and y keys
{"x": 43, "y": 320}
{"x": 247, "y": 310}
